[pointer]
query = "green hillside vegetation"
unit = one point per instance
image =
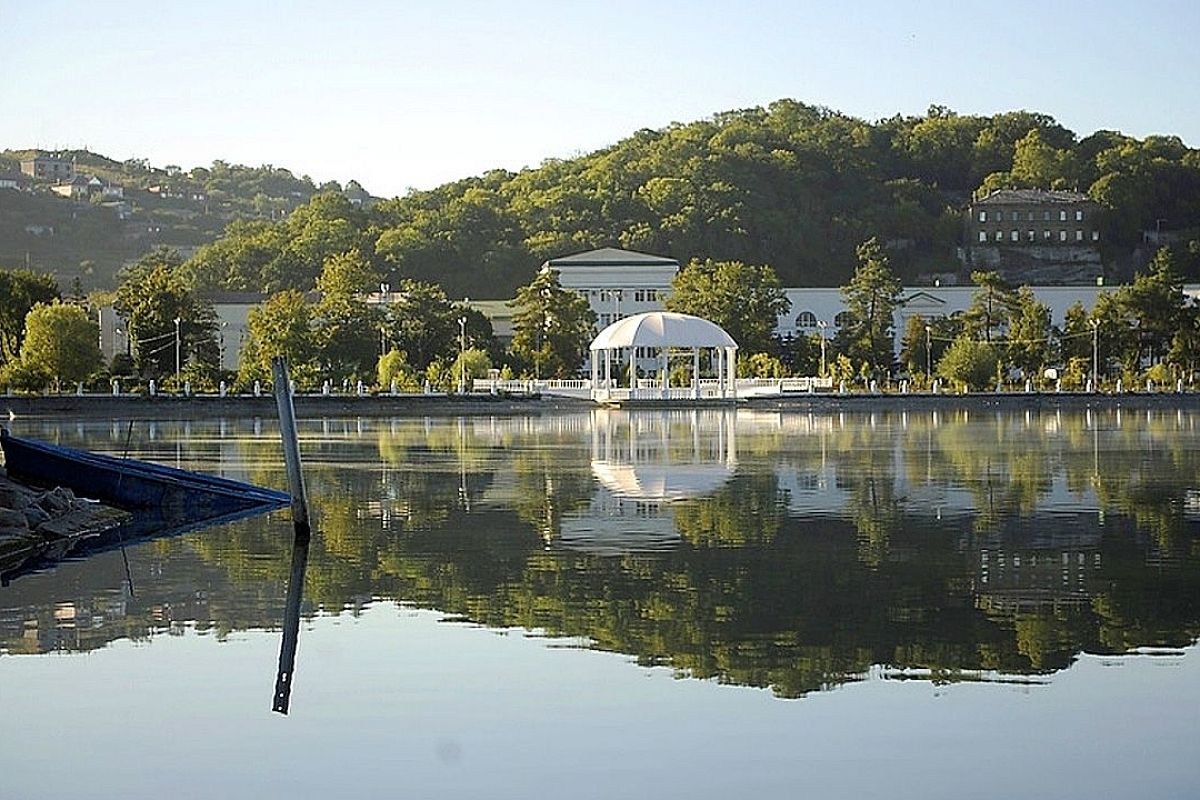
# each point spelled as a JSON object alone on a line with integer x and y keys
{"x": 791, "y": 186}
{"x": 91, "y": 240}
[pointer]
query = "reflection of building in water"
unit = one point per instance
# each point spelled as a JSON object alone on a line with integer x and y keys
{"x": 642, "y": 462}
{"x": 1013, "y": 580}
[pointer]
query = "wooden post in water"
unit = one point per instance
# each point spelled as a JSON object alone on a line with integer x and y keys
{"x": 291, "y": 442}
{"x": 291, "y": 455}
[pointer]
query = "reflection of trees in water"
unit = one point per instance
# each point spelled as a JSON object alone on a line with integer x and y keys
{"x": 751, "y": 595}
{"x": 745, "y": 511}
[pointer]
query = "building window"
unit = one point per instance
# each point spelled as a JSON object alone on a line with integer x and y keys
{"x": 1016, "y": 216}
{"x": 806, "y": 319}
{"x": 983, "y": 236}
{"x": 1095, "y": 236}
{"x": 1078, "y": 235}
{"x": 1015, "y": 236}
{"x": 1062, "y": 216}
{"x": 1079, "y": 216}
{"x": 843, "y": 319}
{"x": 999, "y": 236}
{"x": 1046, "y": 234}
{"x": 983, "y": 216}
{"x": 1046, "y": 216}
{"x": 1062, "y": 236}
{"x": 1030, "y": 216}
{"x": 1030, "y": 236}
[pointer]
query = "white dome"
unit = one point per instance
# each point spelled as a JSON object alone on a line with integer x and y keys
{"x": 662, "y": 329}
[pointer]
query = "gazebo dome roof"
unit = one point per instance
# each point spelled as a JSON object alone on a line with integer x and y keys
{"x": 662, "y": 329}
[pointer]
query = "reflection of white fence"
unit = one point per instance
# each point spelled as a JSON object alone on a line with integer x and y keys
{"x": 651, "y": 389}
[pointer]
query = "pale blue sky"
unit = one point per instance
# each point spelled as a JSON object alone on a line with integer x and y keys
{"x": 408, "y": 94}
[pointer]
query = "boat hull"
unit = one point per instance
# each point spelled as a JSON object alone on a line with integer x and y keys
{"x": 131, "y": 484}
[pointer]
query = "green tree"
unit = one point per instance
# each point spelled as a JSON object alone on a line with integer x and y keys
{"x": 1154, "y": 302}
{"x": 1029, "y": 334}
{"x": 61, "y": 343}
{"x": 745, "y": 300}
{"x": 915, "y": 358}
{"x": 344, "y": 326}
{"x": 552, "y": 326}
{"x": 969, "y": 363}
{"x": 20, "y": 291}
{"x": 1075, "y": 338}
{"x": 761, "y": 365}
{"x": 394, "y": 368}
{"x": 421, "y": 322}
{"x": 152, "y": 295}
{"x": 991, "y": 306}
{"x": 470, "y": 364}
{"x": 871, "y": 300}
{"x": 281, "y": 326}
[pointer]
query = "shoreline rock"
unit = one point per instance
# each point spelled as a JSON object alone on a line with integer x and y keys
{"x": 32, "y": 520}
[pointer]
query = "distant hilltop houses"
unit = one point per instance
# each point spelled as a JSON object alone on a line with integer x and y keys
{"x": 65, "y": 179}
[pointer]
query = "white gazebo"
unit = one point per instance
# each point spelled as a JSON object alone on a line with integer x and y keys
{"x": 662, "y": 331}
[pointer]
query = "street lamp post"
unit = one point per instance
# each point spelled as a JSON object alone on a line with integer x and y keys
{"x": 384, "y": 292}
{"x": 1095, "y": 354}
{"x": 821, "y": 326}
{"x": 929, "y": 354}
{"x": 462, "y": 355}
{"x": 177, "y": 350}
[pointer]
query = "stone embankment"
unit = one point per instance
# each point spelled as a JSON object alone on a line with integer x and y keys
{"x": 33, "y": 520}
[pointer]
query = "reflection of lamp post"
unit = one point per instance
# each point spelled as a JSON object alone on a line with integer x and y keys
{"x": 177, "y": 348}
{"x": 1095, "y": 354}
{"x": 928, "y": 353}
{"x": 821, "y": 325}
{"x": 462, "y": 355}
{"x": 221, "y": 347}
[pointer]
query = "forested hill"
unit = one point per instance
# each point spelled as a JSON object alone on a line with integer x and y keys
{"x": 91, "y": 237}
{"x": 792, "y": 186}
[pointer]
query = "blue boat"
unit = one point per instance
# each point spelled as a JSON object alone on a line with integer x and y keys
{"x": 164, "y": 501}
{"x": 134, "y": 485}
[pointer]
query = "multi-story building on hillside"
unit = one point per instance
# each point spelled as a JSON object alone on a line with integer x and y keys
{"x": 1024, "y": 217}
{"x": 1034, "y": 236}
{"x": 49, "y": 168}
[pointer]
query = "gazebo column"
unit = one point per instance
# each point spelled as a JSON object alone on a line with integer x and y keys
{"x": 607, "y": 368}
{"x": 595, "y": 372}
{"x": 632, "y": 370}
{"x": 731, "y": 360}
{"x": 695, "y": 373}
{"x": 666, "y": 378}
{"x": 721, "y": 372}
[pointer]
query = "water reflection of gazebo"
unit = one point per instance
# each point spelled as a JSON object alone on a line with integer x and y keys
{"x": 660, "y": 333}
{"x": 643, "y": 462}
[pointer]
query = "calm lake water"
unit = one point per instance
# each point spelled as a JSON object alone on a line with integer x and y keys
{"x": 636, "y": 604}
